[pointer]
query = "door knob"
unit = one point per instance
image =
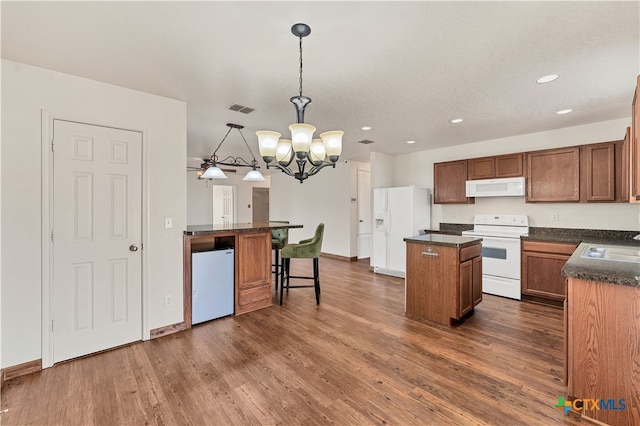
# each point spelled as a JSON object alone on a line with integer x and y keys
{"x": 133, "y": 247}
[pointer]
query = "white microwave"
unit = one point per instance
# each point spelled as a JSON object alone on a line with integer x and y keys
{"x": 504, "y": 187}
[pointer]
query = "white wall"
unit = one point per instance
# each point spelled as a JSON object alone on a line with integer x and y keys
{"x": 417, "y": 169}
{"x": 200, "y": 196}
{"x": 322, "y": 198}
{"x": 26, "y": 92}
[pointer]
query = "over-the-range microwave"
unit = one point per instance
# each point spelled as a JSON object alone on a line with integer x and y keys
{"x": 503, "y": 187}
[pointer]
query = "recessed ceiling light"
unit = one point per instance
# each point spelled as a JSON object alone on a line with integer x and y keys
{"x": 564, "y": 111}
{"x": 411, "y": 141}
{"x": 457, "y": 120}
{"x": 366, "y": 127}
{"x": 547, "y": 78}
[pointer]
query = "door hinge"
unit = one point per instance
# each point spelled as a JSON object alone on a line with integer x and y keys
{"x": 52, "y": 324}
{"x": 52, "y": 236}
{"x": 52, "y": 142}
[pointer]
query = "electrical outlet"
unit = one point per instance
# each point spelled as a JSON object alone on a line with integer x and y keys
{"x": 168, "y": 222}
{"x": 555, "y": 216}
{"x": 168, "y": 300}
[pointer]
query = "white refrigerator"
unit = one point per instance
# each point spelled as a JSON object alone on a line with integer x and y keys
{"x": 397, "y": 213}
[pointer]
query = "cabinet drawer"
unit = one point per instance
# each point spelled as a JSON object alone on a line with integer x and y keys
{"x": 549, "y": 247}
{"x": 470, "y": 252}
{"x": 254, "y": 298}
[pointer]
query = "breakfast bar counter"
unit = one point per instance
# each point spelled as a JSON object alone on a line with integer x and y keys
{"x": 252, "y": 260}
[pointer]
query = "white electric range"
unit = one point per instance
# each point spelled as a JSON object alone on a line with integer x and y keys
{"x": 500, "y": 252}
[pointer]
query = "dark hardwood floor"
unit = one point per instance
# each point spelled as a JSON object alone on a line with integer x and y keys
{"x": 353, "y": 360}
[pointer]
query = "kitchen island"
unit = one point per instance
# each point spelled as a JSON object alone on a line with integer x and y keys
{"x": 602, "y": 331}
{"x": 252, "y": 260}
{"x": 444, "y": 277}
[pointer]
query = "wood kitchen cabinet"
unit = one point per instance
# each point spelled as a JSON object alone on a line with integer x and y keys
{"x": 443, "y": 282}
{"x": 254, "y": 278}
{"x": 601, "y": 172}
{"x": 449, "y": 181}
{"x": 634, "y": 147}
{"x": 553, "y": 175}
{"x": 603, "y": 331}
{"x": 542, "y": 264}
{"x": 501, "y": 166}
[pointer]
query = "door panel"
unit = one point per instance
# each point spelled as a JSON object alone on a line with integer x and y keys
{"x": 97, "y": 215}
{"x": 260, "y": 203}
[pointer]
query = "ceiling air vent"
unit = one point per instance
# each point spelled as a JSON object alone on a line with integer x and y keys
{"x": 365, "y": 141}
{"x": 241, "y": 108}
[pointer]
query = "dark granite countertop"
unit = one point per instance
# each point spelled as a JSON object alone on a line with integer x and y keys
{"x": 608, "y": 271}
{"x": 570, "y": 235}
{"x": 444, "y": 240}
{"x": 236, "y": 227}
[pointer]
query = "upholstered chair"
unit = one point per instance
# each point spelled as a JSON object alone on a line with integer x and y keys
{"x": 307, "y": 249}
{"x": 279, "y": 238}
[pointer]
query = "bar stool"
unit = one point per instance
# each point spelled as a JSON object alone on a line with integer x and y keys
{"x": 279, "y": 238}
{"x": 308, "y": 249}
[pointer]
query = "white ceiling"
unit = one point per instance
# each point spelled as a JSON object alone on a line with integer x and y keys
{"x": 404, "y": 68}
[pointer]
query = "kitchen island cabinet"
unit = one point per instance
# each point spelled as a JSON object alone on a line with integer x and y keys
{"x": 444, "y": 277}
{"x": 252, "y": 244}
{"x": 602, "y": 328}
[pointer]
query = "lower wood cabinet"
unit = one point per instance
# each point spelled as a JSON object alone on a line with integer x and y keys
{"x": 443, "y": 283}
{"x": 542, "y": 264}
{"x": 253, "y": 289}
{"x": 603, "y": 330}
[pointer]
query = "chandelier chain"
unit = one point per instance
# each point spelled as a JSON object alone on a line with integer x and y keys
{"x": 300, "y": 66}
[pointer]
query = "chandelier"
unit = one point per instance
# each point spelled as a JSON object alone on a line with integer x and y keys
{"x": 302, "y": 145}
{"x": 214, "y": 172}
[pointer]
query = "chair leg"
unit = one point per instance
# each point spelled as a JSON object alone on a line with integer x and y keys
{"x": 285, "y": 266}
{"x": 278, "y": 267}
{"x": 316, "y": 279}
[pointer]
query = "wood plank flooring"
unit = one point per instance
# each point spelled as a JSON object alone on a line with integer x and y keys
{"x": 353, "y": 360}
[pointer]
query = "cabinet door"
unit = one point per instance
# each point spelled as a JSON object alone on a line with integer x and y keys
{"x": 542, "y": 276}
{"x": 482, "y": 168}
{"x": 509, "y": 166}
{"x": 598, "y": 175}
{"x": 553, "y": 175}
{"x": 449, "y": 181}
{"x": 477, "y": 280}
{"x": 253, "y": 267}
{"x": 634, "y": 151}
{"x": 465, "y": 295}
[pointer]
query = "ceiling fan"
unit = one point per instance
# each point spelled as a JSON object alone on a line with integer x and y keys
{"x": 206, "y": 163}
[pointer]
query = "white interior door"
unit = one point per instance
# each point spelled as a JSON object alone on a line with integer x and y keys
{"x": 97, "y": 225}
{"x": 224, "y": 204}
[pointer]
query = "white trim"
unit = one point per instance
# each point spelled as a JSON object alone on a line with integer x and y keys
{"x": 47, "y": 119}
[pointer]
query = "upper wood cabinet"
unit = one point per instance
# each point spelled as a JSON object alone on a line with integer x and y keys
{"x": 598, "y": 177}
{"x": 500, "y": 166}
{"x": 553, "y": 175}
{"x": 634, "y": 147}
{"x": 449, "y": 183}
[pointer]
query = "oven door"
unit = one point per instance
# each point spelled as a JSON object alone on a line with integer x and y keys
{"x": 501, "y": 257}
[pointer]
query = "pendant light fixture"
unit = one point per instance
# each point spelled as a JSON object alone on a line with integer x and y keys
{"x": 302, "y": 145}
{"x": 214, "y": 172}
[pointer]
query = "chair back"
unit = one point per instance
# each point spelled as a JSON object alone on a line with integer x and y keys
{"x": 315, "y": 245}
{"x": 279, "y": 237}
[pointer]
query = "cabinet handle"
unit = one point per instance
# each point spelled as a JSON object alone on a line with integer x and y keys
{"x": 429, "y": 253}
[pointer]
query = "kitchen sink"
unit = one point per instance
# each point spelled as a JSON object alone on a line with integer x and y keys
{"x": 615, "y": 253}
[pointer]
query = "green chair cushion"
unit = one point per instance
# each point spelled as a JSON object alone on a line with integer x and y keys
{"x": 309, "y": 248}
